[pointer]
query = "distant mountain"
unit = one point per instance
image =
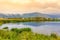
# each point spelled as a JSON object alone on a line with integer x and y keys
{"x": 9, "y": 15}
{"x": 34, "y": 14}
{"x": 54, "y": 16}
{"x": 26, "y": 15}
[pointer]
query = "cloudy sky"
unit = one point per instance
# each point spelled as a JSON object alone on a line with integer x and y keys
{"x": 23, "y": 6}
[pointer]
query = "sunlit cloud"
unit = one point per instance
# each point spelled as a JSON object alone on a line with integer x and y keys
{"x": 21, "y": 6}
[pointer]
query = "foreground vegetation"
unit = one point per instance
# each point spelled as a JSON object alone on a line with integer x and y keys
{"x": 24, "y": 34}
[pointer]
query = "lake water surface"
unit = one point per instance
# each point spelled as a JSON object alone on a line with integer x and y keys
{"x": 38, "y": 27}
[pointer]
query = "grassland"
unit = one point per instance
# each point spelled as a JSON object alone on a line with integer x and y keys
{"x": 29, "y": 19}
{"x": 24, "y": 34}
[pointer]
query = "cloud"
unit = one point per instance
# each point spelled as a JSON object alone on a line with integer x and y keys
{"x": 9, "y": 6}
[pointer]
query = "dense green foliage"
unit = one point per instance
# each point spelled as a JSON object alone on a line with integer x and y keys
{"x": 5, "y": 28}
{"x": 20, "y": 30}
{"x": 25, "y": 34}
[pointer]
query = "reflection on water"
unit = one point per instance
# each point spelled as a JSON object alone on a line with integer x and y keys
{"x": 39, "y": 27}
{"x": 34, "y": 24}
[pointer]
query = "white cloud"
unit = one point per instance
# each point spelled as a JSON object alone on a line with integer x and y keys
{"x": 9, "y": 6}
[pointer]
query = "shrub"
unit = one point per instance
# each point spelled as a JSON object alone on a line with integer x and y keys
{"x": 53, "y": 35}
{"x": 5, "y": 28}
{"x": 20, "y": 30}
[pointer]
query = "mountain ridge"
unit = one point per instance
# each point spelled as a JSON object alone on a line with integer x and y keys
{"x": 34, "y": 14}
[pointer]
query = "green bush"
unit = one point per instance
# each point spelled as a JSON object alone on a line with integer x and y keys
{"x": 20, "y": 30}
{"x": 53, "y": 35}
{"x": 5, "y": 28}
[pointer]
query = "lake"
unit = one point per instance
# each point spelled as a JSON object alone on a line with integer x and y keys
{"x": 38, "y": 27}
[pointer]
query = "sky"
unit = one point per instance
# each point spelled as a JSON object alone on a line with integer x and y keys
{"x": 26, "y": 6}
